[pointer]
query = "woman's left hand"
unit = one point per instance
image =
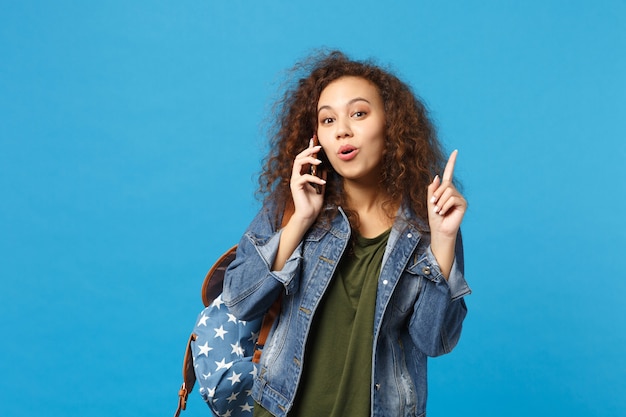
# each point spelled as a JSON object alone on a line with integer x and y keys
{"x": 446, "y": 208}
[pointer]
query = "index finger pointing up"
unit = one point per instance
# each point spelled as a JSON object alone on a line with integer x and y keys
{"x": 449, "y": 170}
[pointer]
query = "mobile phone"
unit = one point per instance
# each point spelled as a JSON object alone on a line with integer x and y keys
{"x": 314, "y": 168}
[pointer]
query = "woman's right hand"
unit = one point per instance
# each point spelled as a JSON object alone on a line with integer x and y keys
{"x": 307, "y": 202}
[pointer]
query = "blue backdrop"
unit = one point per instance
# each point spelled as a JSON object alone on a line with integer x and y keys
{"x": 131, "y": 136}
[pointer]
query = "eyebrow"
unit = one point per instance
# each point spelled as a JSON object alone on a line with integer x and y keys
{"x": 349, "y": 103}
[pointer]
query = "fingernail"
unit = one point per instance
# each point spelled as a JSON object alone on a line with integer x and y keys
{"x": 436, "y": 209}
{"x": 436, "y": 178}
{"x": 433, "y": 199}
{"x": 311, "y": 143}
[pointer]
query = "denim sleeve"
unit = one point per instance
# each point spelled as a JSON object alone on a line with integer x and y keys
{"x": 250, "y": 285}
{"x": 440, "y": 309}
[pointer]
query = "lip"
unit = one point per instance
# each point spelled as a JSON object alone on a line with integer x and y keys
{"x": 347, "y": 152}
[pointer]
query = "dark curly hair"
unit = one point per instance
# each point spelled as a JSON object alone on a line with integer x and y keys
{"x": 412, "y": 154}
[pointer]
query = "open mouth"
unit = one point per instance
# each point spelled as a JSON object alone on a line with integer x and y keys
{"x": 347, "y": 152}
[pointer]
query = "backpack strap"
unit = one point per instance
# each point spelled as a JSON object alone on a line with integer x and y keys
{"x": 266, "y": 326}
{"x": 189, "y": 377}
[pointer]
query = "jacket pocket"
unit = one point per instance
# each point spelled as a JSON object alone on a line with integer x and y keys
{"x": 407, "y": 291}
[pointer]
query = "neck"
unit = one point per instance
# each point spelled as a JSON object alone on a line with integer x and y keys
{"x": 361, "y": 197}
{"x": 368, "y": 202}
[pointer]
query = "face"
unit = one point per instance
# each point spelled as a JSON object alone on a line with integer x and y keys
{"x": 351, "y": 128}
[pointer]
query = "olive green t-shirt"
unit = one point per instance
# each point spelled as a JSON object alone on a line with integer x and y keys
{"x": 337, "y": 375}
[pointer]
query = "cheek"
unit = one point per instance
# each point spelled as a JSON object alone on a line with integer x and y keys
{"x": 324, "y": 140}
{"x": 380, "y": 135}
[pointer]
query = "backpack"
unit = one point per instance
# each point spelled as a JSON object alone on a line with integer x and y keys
{"x": 222, "y": 351}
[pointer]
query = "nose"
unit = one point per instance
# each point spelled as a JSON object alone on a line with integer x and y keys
{"x": 343, "y": 128}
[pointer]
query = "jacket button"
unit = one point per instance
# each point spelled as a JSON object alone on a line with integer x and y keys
{"x": 385, "y": 282}
{"x": 377, "y": 386}
{"x": 426, "y": 270}
{"x": 410, "y": 235}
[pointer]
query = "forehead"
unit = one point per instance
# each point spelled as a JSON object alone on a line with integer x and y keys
{"x": 345, "y": 89}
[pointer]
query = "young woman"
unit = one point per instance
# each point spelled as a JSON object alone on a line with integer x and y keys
{"x": 369, "y": 262}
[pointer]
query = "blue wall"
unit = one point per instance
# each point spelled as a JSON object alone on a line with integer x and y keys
{"x": 131, "y": 134}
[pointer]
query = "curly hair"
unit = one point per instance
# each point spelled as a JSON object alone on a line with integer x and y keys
{"x": 412, "y": 154}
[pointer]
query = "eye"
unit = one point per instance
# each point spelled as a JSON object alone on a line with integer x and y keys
{"x": 326, "y": 120}
{"x": 359, "y": 114}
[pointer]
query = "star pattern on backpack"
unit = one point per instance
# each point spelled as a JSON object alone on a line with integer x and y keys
{"x": 222, "y": 356}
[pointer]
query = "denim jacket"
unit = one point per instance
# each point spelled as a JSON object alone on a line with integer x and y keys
{"x": 418, "y": 312}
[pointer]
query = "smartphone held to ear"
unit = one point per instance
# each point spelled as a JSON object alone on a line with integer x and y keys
{"x": 315, "y": 169}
